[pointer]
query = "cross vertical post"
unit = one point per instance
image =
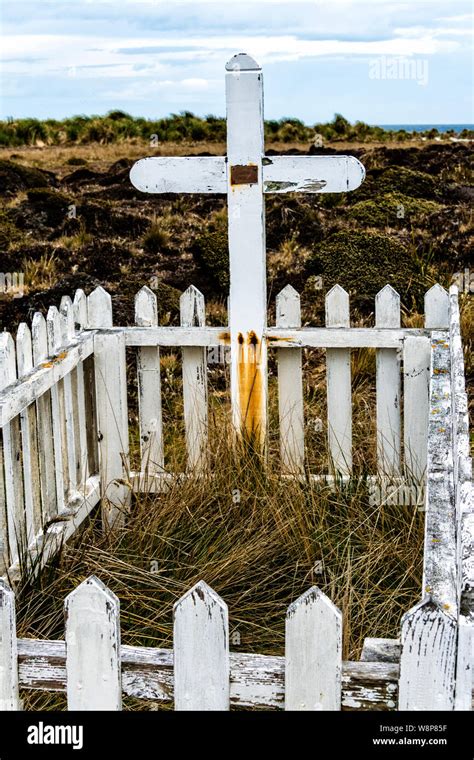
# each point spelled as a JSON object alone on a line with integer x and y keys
{"x": 246, "y": 216}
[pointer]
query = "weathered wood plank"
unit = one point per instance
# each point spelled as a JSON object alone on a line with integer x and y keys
{"x": 112, "y": 413}
{"x": 192, "y": 312}
{"x": 338, "y": 382}
{"x": 53, "y": 329}
{"x": 437, "y": 308}
{"x": 29, "y": 440}
{"x": 290, "y": 386}
{"x": 12, "y": 457}
{"x": 313, "y": 652}
{"x": 78, "y": 309}
{"x": 9, "y": 695}
{"x": 440, "y": 560}
{"x": 180, "y": 174}
{"x": 66, "y": 321}
{"x": 4, "y": 559}
{"x": 428, "y": 659}
{"x": 92, "y": 614}
{"x": 416, "y": 375}
{"x": 149, "y": 390}
{"x": 201, "y": 651}
{"x": 464, "y": 664}
{"x": 281, "y": 174}
{"x": 47, "y": 465}
{"x": 276, "y": 337}
{"x": 255, "y": 680}
{"x": 388, "y": 385}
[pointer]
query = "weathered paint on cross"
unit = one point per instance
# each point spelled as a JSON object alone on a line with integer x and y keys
{"x": 246, "y": 174}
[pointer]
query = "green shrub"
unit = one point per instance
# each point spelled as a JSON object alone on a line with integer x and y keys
{"x": 363, "y": 262}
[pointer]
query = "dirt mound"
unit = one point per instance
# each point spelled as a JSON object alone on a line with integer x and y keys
{"x": 15, "y": 178}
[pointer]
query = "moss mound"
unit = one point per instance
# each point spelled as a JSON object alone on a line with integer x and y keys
{"x": 409, "y": 182}
{"x": 393, "y": 210}
{"x": 53, "y": 204}
{"x": 397, "y": 179}
{"x": 363, "y": 262}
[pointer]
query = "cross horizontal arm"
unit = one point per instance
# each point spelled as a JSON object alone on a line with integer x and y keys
{"x": 193, "y": 174}
{"x": 281, "y": 174}
{"x": 311, "y": 174}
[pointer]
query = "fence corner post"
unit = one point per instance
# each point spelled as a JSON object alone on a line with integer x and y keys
{"x": 112, "y": 413}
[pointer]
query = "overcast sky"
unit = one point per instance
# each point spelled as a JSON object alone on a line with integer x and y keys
{"x": 64, "y": 57}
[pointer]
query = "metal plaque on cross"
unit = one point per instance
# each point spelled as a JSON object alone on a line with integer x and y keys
{"x": 245, "y": 174}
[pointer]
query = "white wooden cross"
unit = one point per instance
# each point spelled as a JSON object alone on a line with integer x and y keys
{"x": 245, "y": 174}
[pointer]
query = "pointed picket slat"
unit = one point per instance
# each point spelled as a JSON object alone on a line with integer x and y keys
{"x": 313, "y": 653}
{"x": 416, "y": 377}
{"x": 99, "y": 308}
{"x": 437, "y": 308}
{"x": 388, "y": 379}
{"x": 112, "y": 411}
{"x": 9, "y": 694}
{"x": 201, "y": 651}
{"x": 428, "y": 659}
{"x": 338, "y": 381}
{"x": 53, "y": 330}
{"x": 86, "y": 390}
{"x": 290, "y": 386}
{"x": 70, "y": 393}
{"x": 47, "y": 465}
{"x": 149, "y": 390}
{"x": 92, "y": 614}
{"x": 80, "y": 310}
{"x": 12, "y": 457}
{"x": 29, "y": 437}
{"x": 192, "y": 312}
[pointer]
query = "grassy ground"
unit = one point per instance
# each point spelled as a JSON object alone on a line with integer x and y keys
{"x": 257, "y": 540}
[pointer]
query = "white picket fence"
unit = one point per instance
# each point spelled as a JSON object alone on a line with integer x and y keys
{"x": 65, "y": 448}
{"x": 64, "y": 415}
{"x": 200, "y": 673}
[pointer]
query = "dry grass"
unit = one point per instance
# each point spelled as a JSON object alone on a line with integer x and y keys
{"x": 40, "y": 274}
{"x": 258, "y": 540}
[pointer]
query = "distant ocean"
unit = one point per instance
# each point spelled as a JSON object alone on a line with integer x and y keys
{"x": 427, "y": 127}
